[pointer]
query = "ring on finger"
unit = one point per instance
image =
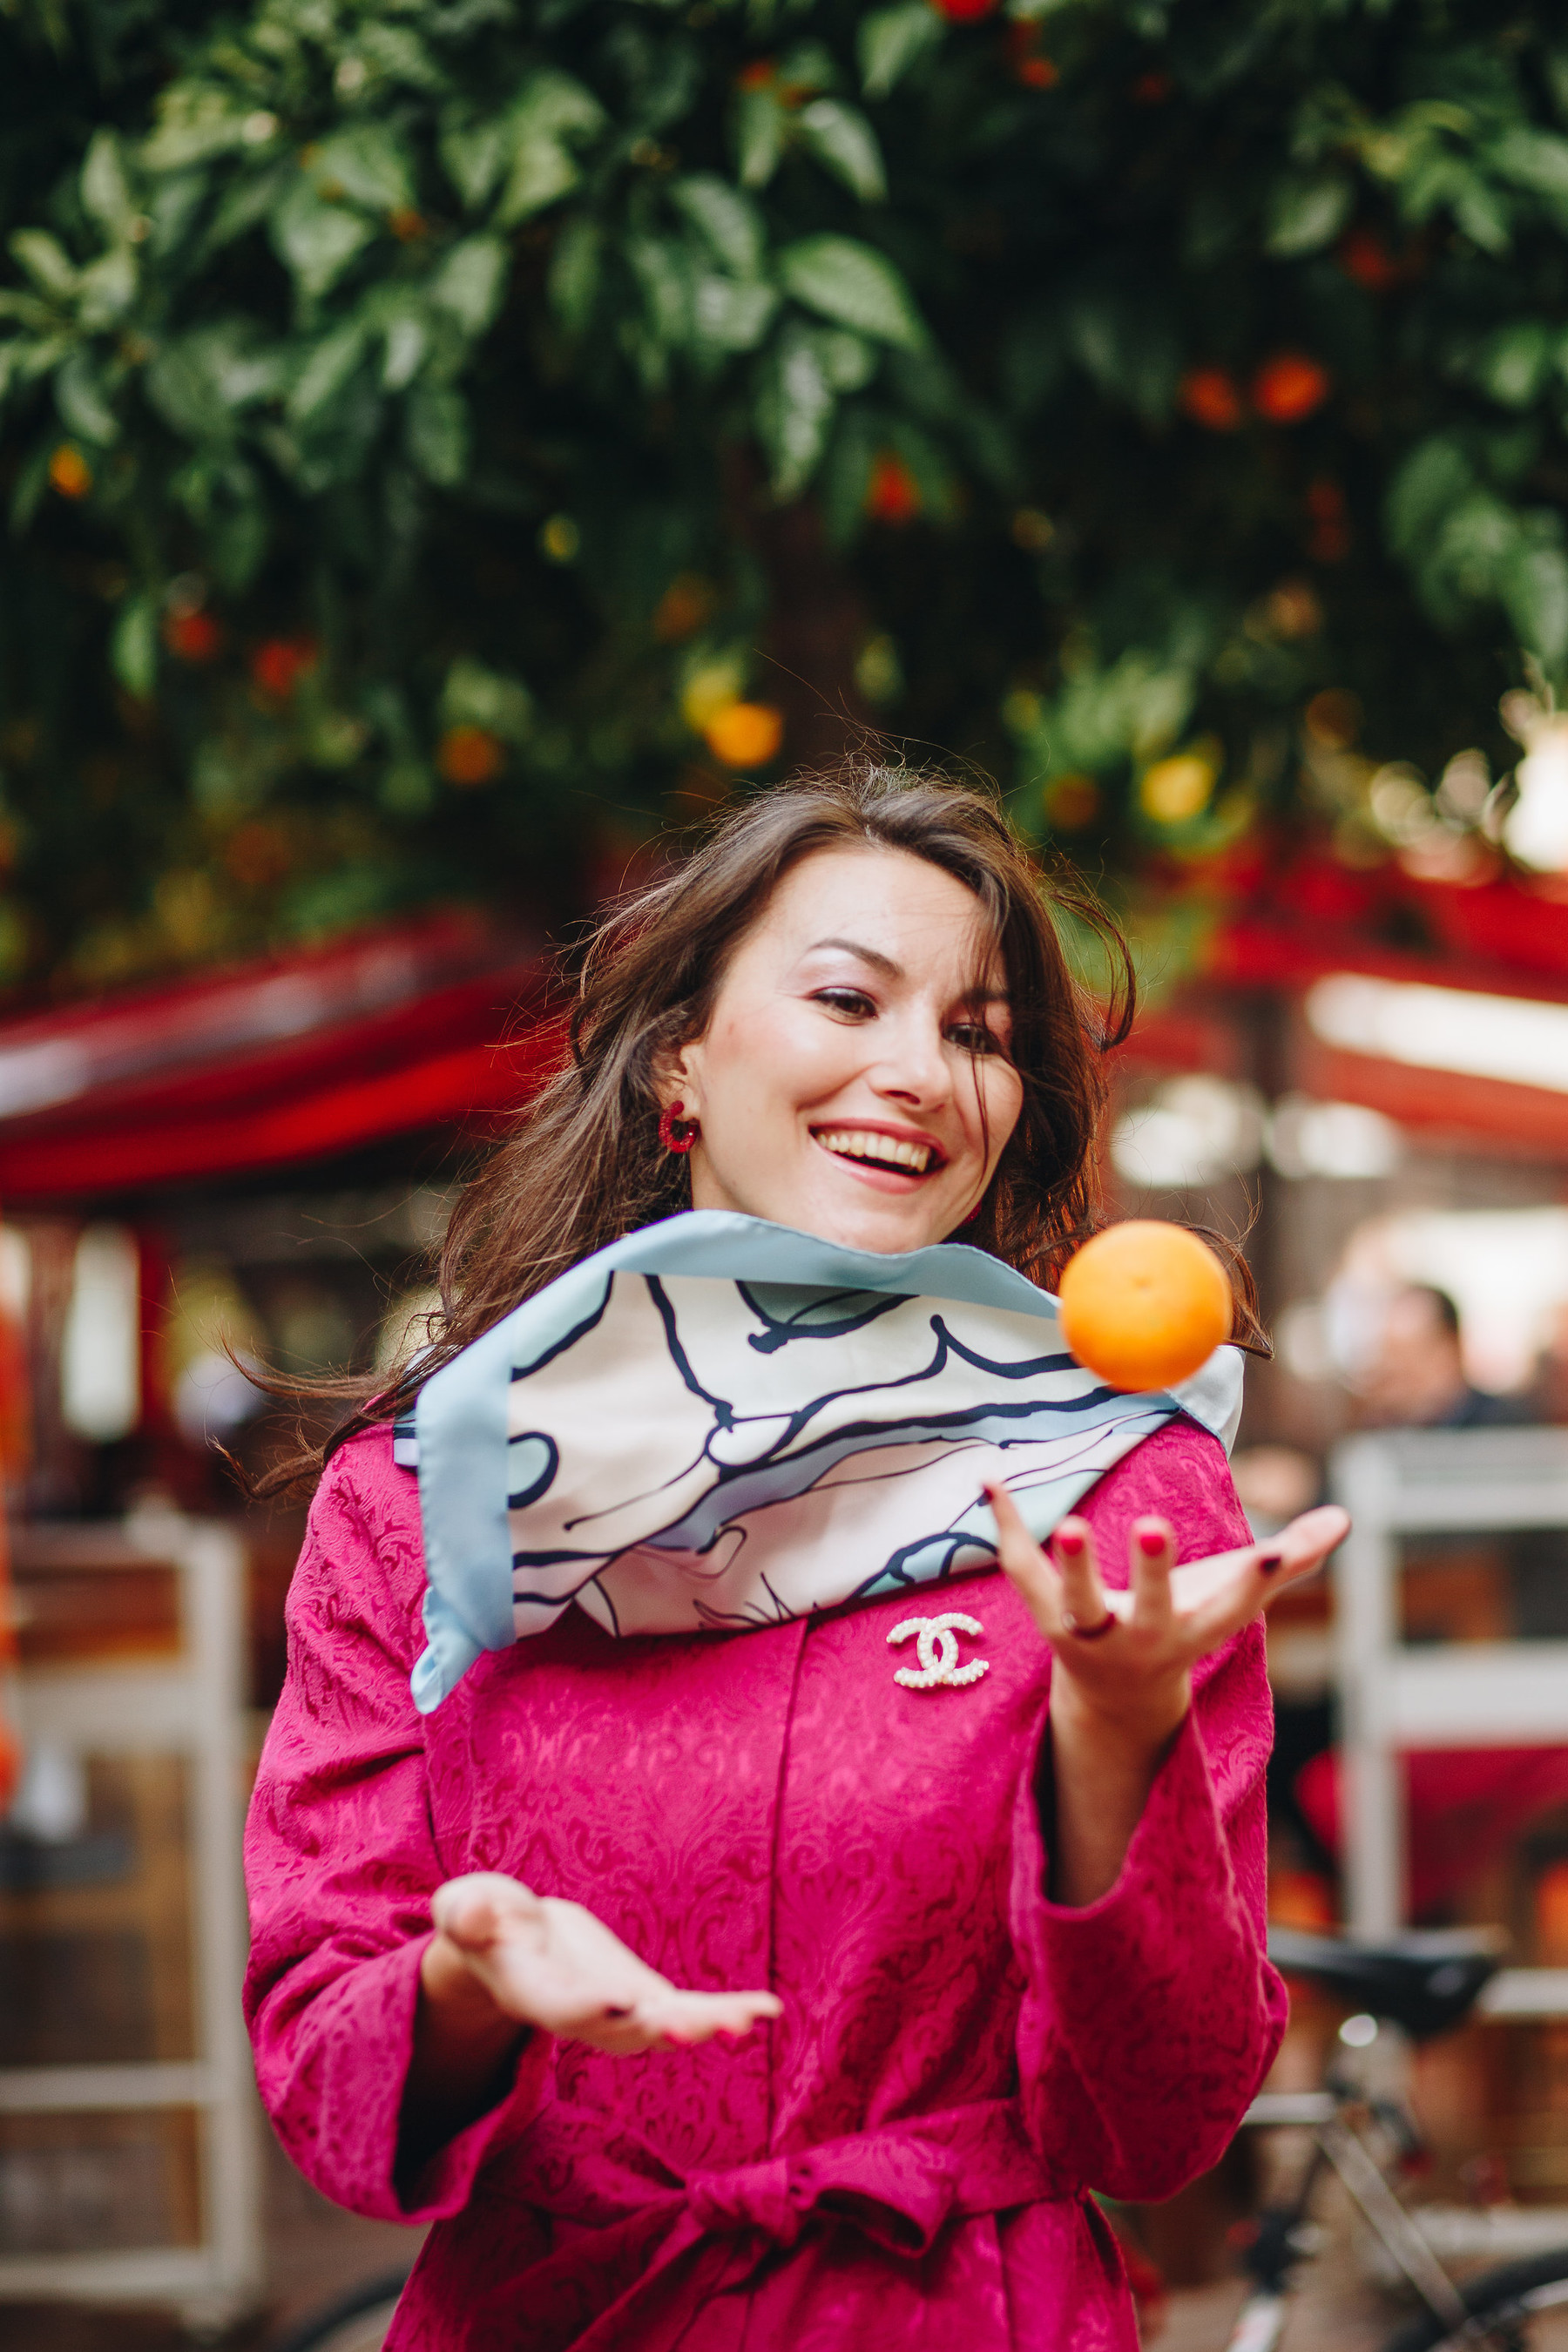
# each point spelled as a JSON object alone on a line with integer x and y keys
{"x": 1089, "y": 1632}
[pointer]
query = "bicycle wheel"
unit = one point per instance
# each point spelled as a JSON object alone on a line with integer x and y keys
{"x": 354, "y": 2321}
{"x": 1518, "y": 2307}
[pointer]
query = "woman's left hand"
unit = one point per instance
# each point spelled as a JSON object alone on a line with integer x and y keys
{"x": 1129, "y": 1655}
{"x": 1122, "y": 1682}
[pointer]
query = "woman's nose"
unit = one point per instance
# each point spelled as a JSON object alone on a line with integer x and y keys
{"x": 913, "y": 1068}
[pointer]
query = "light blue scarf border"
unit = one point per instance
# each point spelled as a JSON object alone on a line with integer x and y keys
{"x": 461, "y": 1419}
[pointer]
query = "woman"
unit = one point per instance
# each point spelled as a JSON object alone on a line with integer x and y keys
{"x": 777, "y": 1987}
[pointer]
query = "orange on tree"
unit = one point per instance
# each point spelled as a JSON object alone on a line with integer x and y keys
{"x": 1145, "y": 1304}
{"x": 1289, "y": 387}
{"x": 744, "y": 734}
{"x": 892, "y": 493}
{"x": 194, "y": 636}
{"x": 69, "y": 472}
{"x": 1210, "y": 397}
{"x": 468, "y": 755}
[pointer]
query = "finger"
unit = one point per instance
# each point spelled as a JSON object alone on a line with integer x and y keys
{"x": 1254, "y": 1579}
{"x": 1085, "y": 1609}
{"x": 688, "y": 2018}
{"x": 1023, "y": 1559}
{"x": 1151, "y": 1555}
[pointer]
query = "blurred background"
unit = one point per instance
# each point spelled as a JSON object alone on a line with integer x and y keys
{"x": 451, "y": 448}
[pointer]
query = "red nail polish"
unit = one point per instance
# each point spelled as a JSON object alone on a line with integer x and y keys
{"x": 1069, "y": 1543}
{"x": 1150, "y": 1542}
{"x": 1267, "y": 1561}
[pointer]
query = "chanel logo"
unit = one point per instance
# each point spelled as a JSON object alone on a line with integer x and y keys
{"x": 938, "y": 1653}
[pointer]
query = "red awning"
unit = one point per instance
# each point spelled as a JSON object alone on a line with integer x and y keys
{"x": 287, "y": 1059}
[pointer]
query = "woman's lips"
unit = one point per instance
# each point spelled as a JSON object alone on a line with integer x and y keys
{"x": 880, "y": 1177}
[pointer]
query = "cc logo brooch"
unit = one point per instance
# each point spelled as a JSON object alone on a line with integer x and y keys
{"x": 937, "y": 1648}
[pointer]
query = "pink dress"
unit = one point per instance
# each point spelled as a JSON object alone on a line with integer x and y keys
{"x": 905, "y": 2158}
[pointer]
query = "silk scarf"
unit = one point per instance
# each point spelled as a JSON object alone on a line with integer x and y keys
{"x": 718, "y": 1423}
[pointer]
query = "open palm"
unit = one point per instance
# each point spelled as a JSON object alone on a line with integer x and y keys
{"x": 1128, "y": 1654}
{"x": 553, "y": 1966}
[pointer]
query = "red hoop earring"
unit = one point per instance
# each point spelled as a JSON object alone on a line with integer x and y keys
{"x": 676, "y": 1134}
{"x": 973, "y": 1215}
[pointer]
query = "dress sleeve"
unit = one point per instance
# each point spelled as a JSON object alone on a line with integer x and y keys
{"x": 341, "y": 1863}
{"x": 1153, "y": 2015}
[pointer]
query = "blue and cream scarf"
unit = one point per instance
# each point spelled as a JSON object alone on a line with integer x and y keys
{"x": 718, "y": 1423}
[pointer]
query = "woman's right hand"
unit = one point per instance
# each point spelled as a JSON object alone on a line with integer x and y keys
{"x": 534, "y": 1960}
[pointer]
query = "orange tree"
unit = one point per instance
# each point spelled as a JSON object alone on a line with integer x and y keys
{"x": 441, "y": 436}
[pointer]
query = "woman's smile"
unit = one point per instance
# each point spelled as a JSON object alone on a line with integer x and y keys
{"x": 890, "y": 1158}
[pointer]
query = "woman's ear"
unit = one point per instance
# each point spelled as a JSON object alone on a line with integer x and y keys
{"x": 677, "y": 1079}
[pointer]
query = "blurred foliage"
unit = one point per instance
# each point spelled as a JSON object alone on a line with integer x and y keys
{"x": 430, "y": 427}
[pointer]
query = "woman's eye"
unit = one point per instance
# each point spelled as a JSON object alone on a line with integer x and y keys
{"x": 974, "y": 1038}
{"x": 852, "y": 1002}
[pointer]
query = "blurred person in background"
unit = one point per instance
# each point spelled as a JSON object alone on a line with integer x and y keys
{"x": 1416, "y": 1378}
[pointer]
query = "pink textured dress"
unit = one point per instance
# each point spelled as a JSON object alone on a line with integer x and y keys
{"x": 905, "y": 2158}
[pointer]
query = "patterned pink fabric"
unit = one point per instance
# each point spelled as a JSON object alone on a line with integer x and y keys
{"x": 903, "y": 2159}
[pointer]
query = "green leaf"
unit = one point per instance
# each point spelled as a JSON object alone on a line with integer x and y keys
{"x": 1535, "y": 597}
{"x": 1532, "y": 159}
{"x": 368, "y": 165}
{"x": 847, "y": 361}
{"x": 407, "y": 344}
{"x": 1512, "y": 365}
{"x": 1433, "y": 479}
{"x": 1305, "y": 214}
{"x": 474, "y": 696}
{"x": 794, "y": 407}
{"x": 246, "y": 203}
{"x": 853, "y": 285}
{"x": 84, "y": 409}
{"x": 475, "y": 153}
{"x": 892, "y": 39}
{"x": 107, "y": 287}
{"x": 105, "y": 191}
{"x": 325, "y": 372}
{"x": 45, "y": 261}
{"x": 554, "y": 115}
{"x": 761, "y": 126}
{"x": 195, "y": 122}
{"x": 729, "y": 315}
{"x": 1482, "y": 216}
{"x": 660, "y": 269}
{"x": 729, "y": 221}
{"x": 316, "y": 241}
{"x": 471, "y": 281}
{"x": 133, "y": 647}
{"x": 436, "y": 430}
{"x": 575, "y": 274}
{"x": 843, "y": 140}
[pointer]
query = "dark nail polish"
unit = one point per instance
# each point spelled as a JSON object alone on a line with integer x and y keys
{"x": 1267, "y": 1561}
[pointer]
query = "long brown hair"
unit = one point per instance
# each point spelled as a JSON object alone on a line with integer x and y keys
{"x": 585, "y": 1164}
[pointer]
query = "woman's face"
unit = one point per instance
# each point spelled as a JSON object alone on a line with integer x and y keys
{"x": 855, "y": 1079}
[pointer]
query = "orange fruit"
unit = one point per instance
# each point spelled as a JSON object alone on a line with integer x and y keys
{"x": 468, "y": 755}
{"x": 1145, "y": 1304}
{"x": 744, "y": 734}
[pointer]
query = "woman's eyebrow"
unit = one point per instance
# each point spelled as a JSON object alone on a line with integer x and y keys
{"x": 872, "y": 956}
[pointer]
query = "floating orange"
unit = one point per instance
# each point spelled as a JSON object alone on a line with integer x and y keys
{"x": 1145, "y": 1304}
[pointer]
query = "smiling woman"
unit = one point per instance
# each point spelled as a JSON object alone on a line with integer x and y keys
{"x": 630, "y": 1899}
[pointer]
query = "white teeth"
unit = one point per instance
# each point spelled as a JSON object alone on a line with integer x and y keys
{"x": 888, "y": 1150}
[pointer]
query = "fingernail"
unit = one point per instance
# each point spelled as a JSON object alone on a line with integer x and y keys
{"x": 1267, "y": 1561}
{"x": 1068, "y": 1542}
{"x": 1150, "y": 1542}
